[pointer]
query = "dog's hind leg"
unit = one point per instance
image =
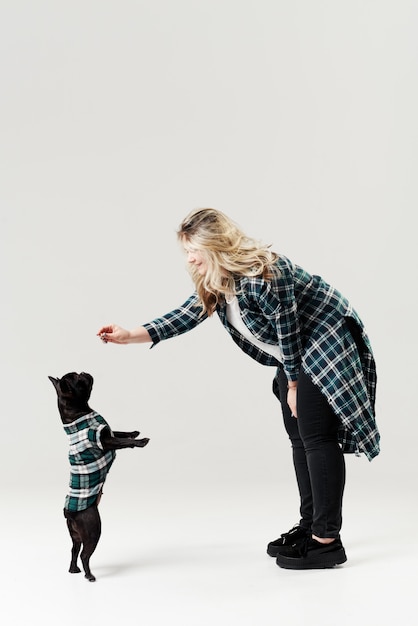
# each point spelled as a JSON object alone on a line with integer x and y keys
{"x": 90, "y": 524}
{"x": 75, "y": 550}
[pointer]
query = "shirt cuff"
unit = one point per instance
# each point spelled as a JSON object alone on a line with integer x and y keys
{"x": 152, "y": 333}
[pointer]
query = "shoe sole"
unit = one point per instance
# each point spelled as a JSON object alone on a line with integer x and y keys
{"x": 321, "y": 561}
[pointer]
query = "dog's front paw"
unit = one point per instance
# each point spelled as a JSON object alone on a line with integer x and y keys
{"x": 134, "y": 434}
{"x": 140, "y": 443}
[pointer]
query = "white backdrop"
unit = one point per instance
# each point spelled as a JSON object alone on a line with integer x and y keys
{"x": 297, "y": 119}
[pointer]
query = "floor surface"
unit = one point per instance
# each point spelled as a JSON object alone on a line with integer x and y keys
{"x": 197, "y": 557}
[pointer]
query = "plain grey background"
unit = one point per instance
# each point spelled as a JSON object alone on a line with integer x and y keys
{"x": 298, "y": 120}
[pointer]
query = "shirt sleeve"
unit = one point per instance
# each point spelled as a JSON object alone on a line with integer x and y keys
{"x": 181, "y": 320}
{"x": 278, "y": 304}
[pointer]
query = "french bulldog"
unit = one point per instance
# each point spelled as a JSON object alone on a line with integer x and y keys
{"x": 93, "y": 448}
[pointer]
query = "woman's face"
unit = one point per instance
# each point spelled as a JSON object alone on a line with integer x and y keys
{"x": 197, "y": 259}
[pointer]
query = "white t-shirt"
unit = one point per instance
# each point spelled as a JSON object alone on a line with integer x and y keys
{"x": 233, "y": 315}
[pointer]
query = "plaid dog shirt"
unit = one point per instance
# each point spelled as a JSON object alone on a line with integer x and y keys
{"x": 310, "y": 321}
{"x": 89, "y": 462}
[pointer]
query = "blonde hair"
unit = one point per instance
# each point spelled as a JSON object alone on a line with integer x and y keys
{"x": 228, "y": 251}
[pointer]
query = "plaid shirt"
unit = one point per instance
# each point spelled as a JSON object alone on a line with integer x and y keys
{"x": 89, "y": 462}
{"x": 307, "y": 318}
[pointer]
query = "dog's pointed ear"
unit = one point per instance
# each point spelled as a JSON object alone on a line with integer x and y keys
{"x": 54, "y": 381}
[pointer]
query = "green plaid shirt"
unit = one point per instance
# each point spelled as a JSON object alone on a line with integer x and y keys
{"x": 89, "y": 462}
{"x": 306, "y": 317}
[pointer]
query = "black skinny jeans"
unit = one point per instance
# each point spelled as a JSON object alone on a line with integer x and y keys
{"x": 317, "y": 457}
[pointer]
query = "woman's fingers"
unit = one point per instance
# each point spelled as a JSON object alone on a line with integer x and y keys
{"x": 105, "y": 330}
{"x": 105, "y": 333}
{"x": 113, "y": 334}
{"x": 291, "y": 400}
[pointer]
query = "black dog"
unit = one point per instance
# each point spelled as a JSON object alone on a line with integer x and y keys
{"x": 92, "y": 452}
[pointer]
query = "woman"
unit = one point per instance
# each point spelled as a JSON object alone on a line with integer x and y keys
{"x": 282, "y": 316}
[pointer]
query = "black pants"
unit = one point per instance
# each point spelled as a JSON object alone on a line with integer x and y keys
{"x": 317, "y": 457}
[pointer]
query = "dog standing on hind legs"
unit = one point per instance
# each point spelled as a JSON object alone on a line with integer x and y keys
{"x": 92, "y": 451}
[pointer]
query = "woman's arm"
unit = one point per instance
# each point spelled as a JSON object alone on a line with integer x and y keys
{"x": 276, "y": 299}
{"x": 116, "y": 334}
{"x": 179, "y": 321}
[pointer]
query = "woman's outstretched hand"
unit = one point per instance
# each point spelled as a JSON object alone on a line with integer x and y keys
{"x": 114, "y": 334}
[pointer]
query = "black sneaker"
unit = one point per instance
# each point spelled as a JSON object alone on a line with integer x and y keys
{"x": 295, "y": 535}
{"x": 311, "y": 554}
